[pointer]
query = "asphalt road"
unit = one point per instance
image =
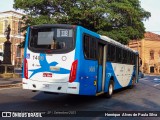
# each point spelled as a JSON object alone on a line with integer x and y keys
{"x": 151, "y": 80}
{"x": 145, "y": 96}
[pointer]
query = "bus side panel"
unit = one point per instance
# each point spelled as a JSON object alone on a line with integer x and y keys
{"x": 122, "y": 75}
{"x": 87, "y": 69}
{"x": 88, "y": 78}
{"x": 135, "y": 70}
{"x": 110, "y": 73}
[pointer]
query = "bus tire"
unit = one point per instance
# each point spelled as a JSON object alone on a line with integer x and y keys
{"x": 110, "y": 89}
{"x": 133, "y": 82}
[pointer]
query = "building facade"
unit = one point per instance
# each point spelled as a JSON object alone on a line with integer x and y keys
{"x": 13, "y": 19}
{"x": 149, "y": 50}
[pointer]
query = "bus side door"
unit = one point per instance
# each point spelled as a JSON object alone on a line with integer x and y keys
{"x": 101, "y": 67}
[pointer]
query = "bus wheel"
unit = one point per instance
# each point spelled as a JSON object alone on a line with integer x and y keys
{"x": 133, "y": 82}
{"x": 110, "y": 89}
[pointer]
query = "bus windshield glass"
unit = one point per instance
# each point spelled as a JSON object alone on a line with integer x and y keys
{"x": 53, "y": 39}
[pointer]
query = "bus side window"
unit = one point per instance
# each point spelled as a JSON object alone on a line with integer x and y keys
{"x": 128, "y": 57}
{"x": 118, "y": 55}
{"x": 90, "y": 47}
{"x": 113, "y": 51}
{"x": 124, "y": 59}
{"x": 134, "y": 59}
{"x": 86, "y": 46}
{"x": 131, "y": 59}
{"x": 109, "y": 52}
{"x": 93, "y": 48}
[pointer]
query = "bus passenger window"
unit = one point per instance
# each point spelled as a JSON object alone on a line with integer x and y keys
{"x": 90, "y": 47}
{"x": 131, "y": 58}
{"x": 86, "y": 46}
{"x": 118, "y": 55}
{"x": 124, "y": 59}
{"x": 113, "y": 51}
{"x": 109, "y": 52}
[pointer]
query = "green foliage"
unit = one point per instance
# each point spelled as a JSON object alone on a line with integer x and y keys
{"x": 119, "y": 19}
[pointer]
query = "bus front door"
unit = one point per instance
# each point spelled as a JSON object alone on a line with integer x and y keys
{"x": 101, "y": 68}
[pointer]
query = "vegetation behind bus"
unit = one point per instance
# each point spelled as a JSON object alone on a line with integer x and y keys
{"x": 119, "y": 20}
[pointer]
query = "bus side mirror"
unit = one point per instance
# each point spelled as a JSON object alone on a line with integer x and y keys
{"x": 140, "y": 62}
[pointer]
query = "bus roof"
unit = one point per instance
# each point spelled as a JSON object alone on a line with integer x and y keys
{"x": 55, "y": 25}
{"x": 116, "y": 43}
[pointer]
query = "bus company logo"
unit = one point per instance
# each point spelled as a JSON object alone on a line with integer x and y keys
{"x": 129, "y": 70}
{"x": 47, "y": 74}
{"x": 121, "y": 70}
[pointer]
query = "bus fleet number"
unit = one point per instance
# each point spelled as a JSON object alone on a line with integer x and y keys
{"x": 38, "y": 58}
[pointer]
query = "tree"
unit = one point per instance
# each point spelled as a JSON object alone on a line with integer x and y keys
{"x": 121, "y": 20}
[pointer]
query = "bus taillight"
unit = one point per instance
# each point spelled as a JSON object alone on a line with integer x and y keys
{"x": 25, "y": 68}
{"x": 73, "y": 72}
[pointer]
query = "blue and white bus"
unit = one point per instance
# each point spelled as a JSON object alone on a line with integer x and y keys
{"x": 71, "y": 59}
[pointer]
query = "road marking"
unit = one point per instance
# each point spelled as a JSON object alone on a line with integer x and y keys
{"x": 156, "y": 79}
{"x": 144, "y": 79}
{"x": 151, "y": 75}
{"x": 156, "y": 85}
{"x": 9, "y": 88}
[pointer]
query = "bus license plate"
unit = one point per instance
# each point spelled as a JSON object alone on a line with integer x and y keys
{"x": 45, "y": 85}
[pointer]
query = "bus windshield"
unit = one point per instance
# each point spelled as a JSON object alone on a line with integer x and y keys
{"x": 51, "y": 39}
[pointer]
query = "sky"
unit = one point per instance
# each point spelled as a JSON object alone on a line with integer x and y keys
{"x": 152, "y": 6}
{"x": 152, "y": 24}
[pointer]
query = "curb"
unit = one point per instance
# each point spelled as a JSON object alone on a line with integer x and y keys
{"x": 11, "y": 85}
{"x": 11, "y": 75}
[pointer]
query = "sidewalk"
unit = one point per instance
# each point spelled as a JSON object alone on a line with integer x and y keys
{"x": 4, "y": 82}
